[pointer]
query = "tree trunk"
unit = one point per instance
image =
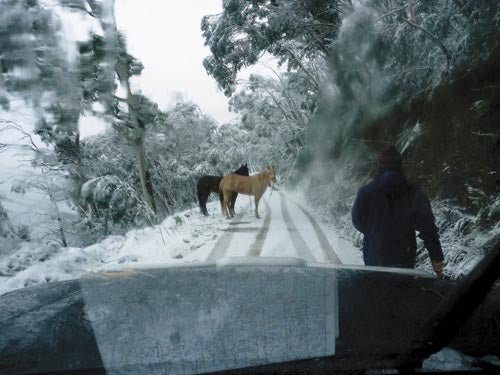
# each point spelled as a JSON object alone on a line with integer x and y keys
{"x": 145, "y": 176}
{"x": 79, "y": 166}
{"x": 59, "y": 219}
{"x": 146, "y": 184}
{"x": 121, "y": 65}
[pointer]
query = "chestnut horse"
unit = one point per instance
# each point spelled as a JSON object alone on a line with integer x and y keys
{"x": 210, "y": 184}
{"x": 254, "y": 185}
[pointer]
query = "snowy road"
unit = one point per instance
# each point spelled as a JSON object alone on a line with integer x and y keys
{"x": 286, "y": 229}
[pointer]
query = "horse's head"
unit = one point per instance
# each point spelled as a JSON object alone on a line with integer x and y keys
{"x": 243, "y": 170}
{"x": 271, "y": 174}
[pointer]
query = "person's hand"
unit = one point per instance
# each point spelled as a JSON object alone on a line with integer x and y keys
{"x": 437, "y": 266}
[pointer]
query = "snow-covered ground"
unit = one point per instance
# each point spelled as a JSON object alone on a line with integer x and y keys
{"x": 283, "y": 230}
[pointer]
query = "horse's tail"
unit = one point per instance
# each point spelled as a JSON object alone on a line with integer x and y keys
{"x": 199, "y": 195}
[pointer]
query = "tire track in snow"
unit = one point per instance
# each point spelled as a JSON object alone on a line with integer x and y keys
{"x": 258, "y": 243}
{"x": 222, "y": 243}
{"x": 298, "y": 241}
{"x": 328, "y": 251}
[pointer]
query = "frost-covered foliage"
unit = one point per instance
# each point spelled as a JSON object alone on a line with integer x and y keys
{"x": 463, "y": 236}
{"x": 275, "y": 113}
{"x": 187, "y": 146}
{"x": 292, "y": 31}
{"x": 179, "y": 149}
{"x": 109, "y": 200}
{"x": 8, "y": 236}
{"x": 423, "y": 42}
{"x": 388, "y": 51}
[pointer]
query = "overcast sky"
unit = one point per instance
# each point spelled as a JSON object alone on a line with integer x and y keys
{"x": 165, "y": 35}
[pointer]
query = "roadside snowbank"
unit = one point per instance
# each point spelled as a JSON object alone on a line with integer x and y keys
{"x": 185, "y": 237}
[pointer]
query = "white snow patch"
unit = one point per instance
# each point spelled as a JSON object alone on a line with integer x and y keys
{"x": 448, "y": 360}
{"x": 186, "y": 237}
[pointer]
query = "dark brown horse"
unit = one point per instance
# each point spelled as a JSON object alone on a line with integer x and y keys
{"x": 255, "y": 185}
{"x": 210, "y": 184}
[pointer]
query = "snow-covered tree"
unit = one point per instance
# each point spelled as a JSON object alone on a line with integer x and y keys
{"x": 130, "y": 112}
{"x": 181, "y": 145}
{"x": 277, "y": 108}
{"x": 291, "y": 30}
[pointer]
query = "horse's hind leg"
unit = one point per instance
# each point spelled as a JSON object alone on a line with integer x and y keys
{"x": 224, "y": 203}
{"x": 221, "y": 196}
{"x": 227, "y": 202}
{"x": 233, "y": 202}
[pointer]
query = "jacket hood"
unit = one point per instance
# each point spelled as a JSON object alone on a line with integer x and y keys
{"x": 391, "y": 181}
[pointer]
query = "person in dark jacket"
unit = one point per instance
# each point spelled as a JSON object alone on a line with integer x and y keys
{"x": 388, "y": 211}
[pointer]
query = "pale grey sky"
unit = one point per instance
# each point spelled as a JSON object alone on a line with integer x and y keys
{"x": 166, "y": 37}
